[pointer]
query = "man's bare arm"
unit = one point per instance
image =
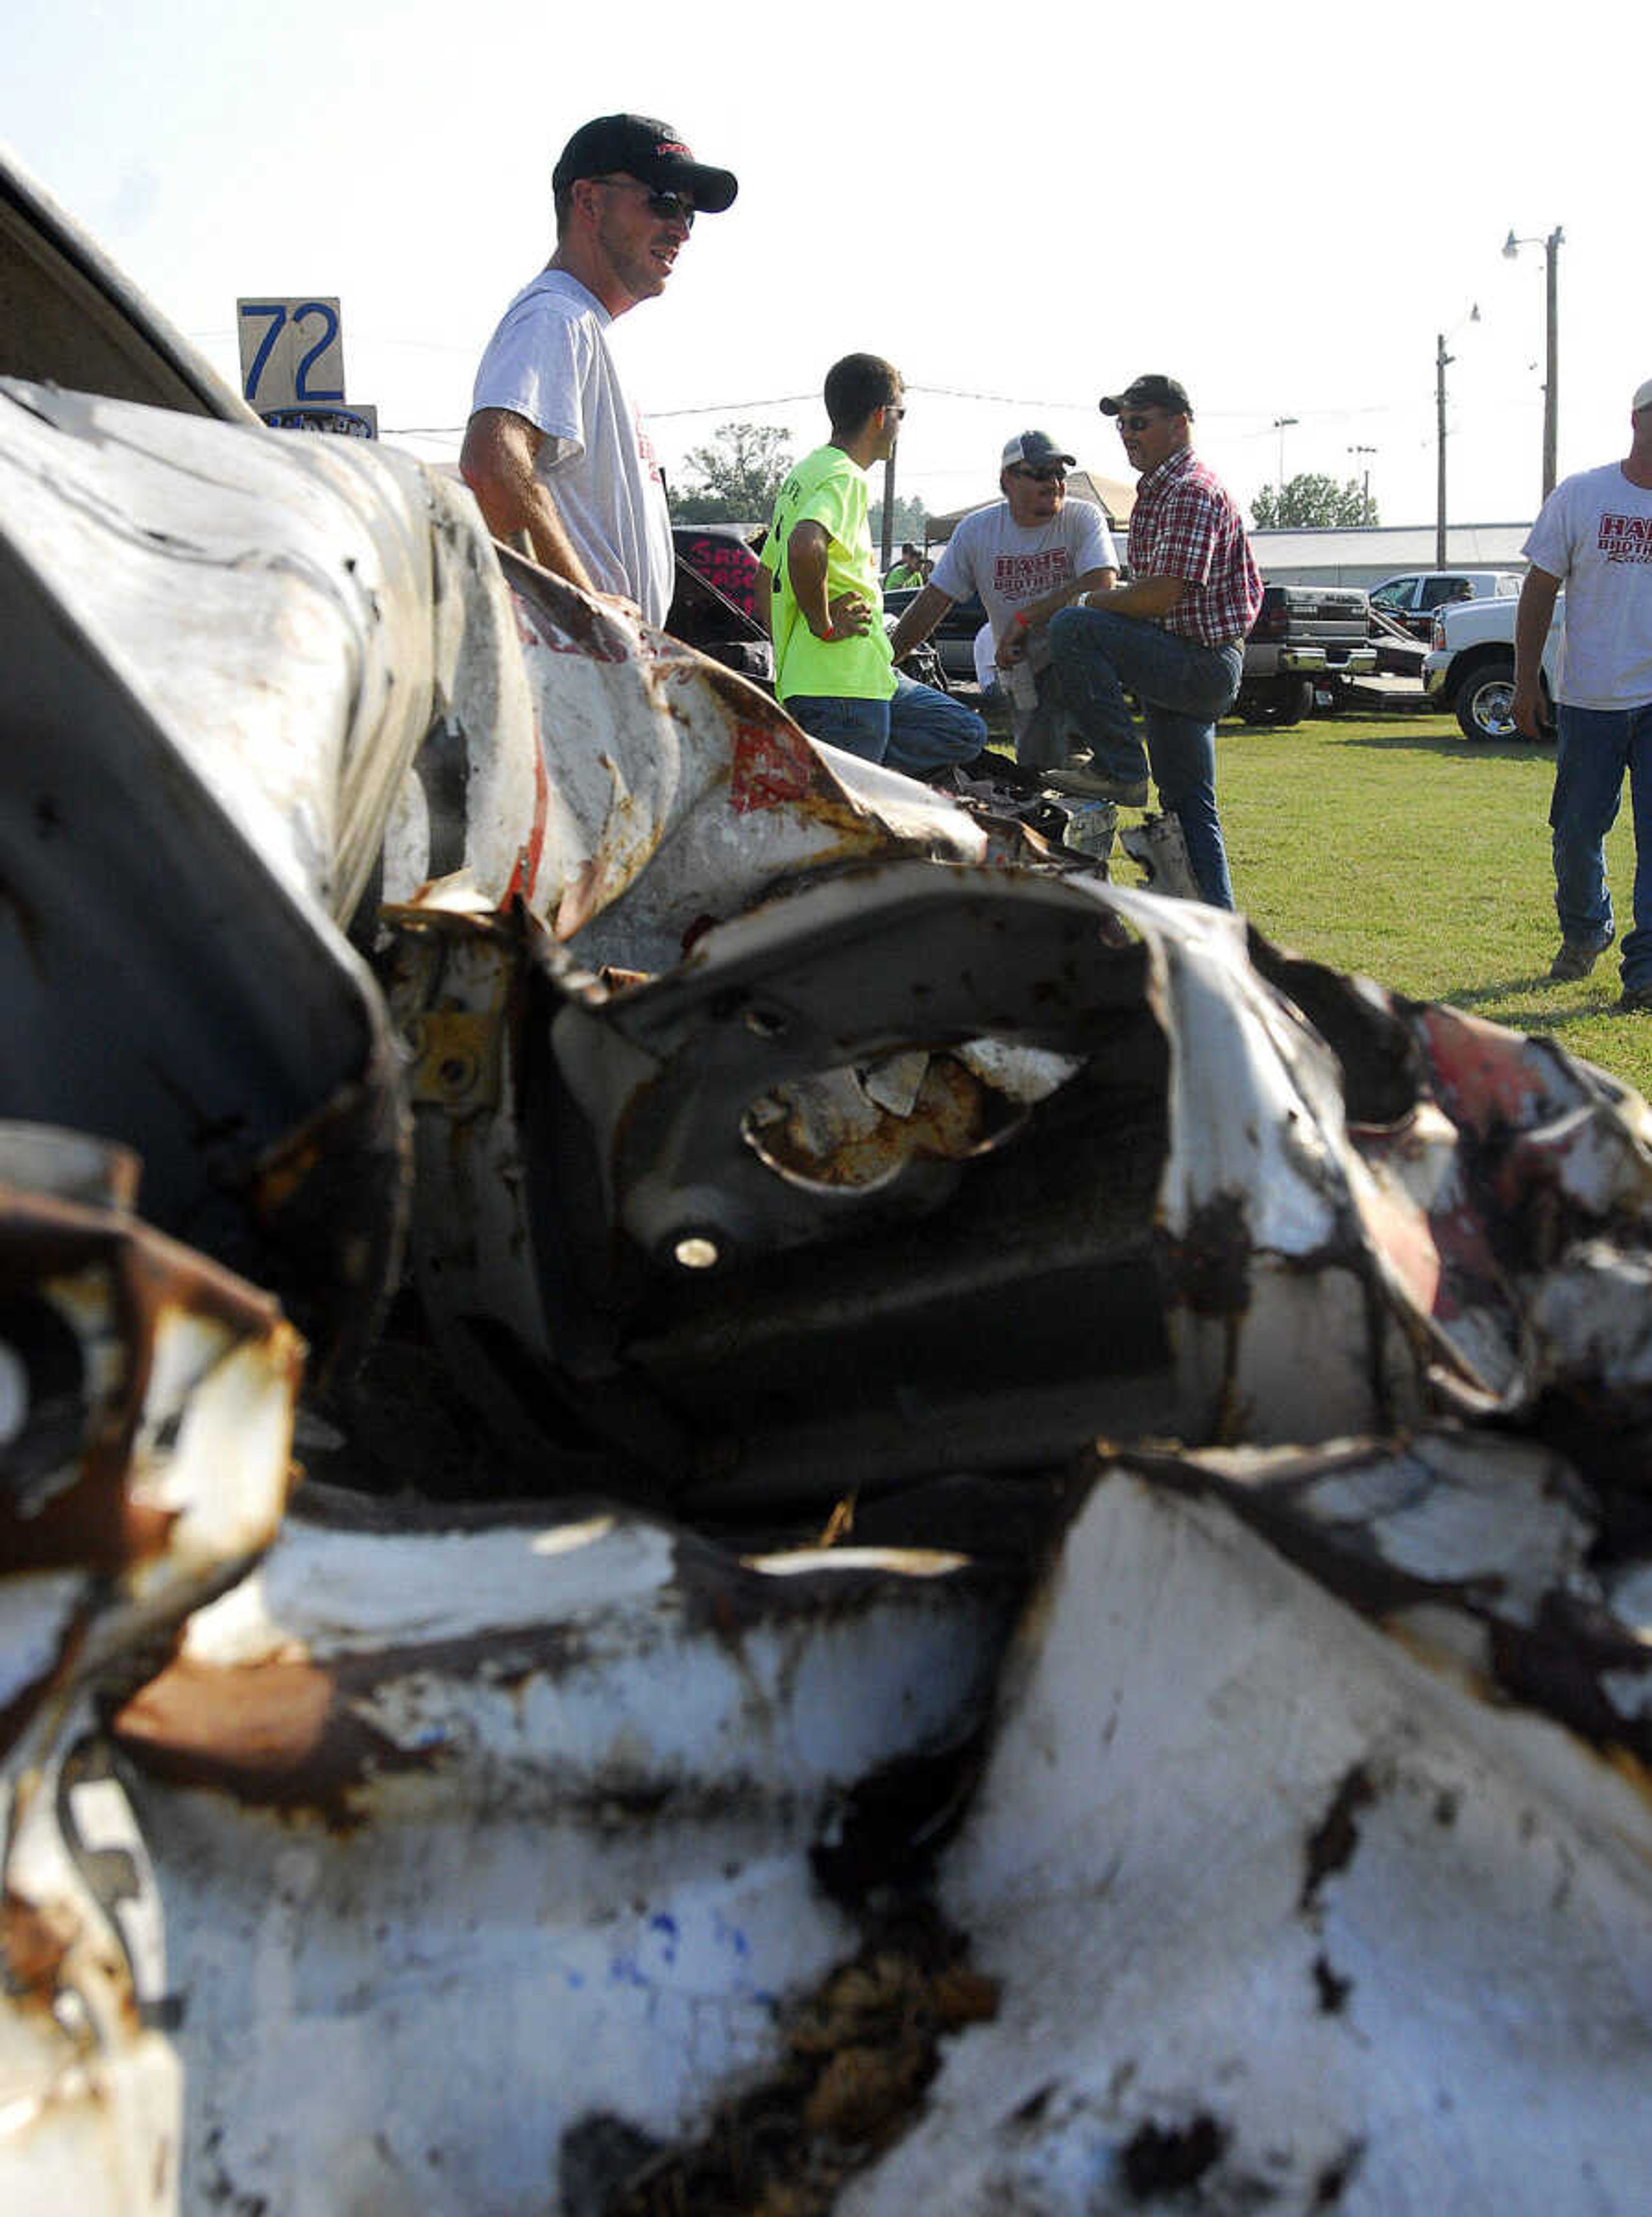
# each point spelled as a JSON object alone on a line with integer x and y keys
{"x": 849, "y": 616}
{"x": 497, "y": 463}
{"x": 1531, "y": 622}
{"x": 918, "y": 619}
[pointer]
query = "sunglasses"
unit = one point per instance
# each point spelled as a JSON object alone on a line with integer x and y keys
{"x": 895, "y": 408}
{"x": 1045, "y": 473}
{"x": 1138, "y": 423}
{"x": 671, "y": 205}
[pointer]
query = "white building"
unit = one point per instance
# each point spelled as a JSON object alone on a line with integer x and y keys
{"x": 1336, "y": 556}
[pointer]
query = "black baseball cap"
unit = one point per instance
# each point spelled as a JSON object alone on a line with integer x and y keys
{"x": 1151, "y": 392}
{"x": 647, "y": 149}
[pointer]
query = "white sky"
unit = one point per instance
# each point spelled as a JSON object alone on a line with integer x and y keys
{"x": 1281, "y": 206}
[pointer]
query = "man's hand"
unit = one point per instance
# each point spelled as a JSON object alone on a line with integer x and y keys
{"x": 1526, "y": 709}
{"x": 850, "y": 618}
{"x": 847, "y": 617}
{"x": 1036, "y": 615}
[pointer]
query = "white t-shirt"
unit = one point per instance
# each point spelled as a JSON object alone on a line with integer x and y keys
{"x": 1595, "y": 534}
{"x": 1009, "y": 563}
{"x": 548, "y": 361}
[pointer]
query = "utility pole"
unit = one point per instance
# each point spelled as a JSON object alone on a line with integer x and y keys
{"x": 1367, "y": 486}
{"x": 1441, "y": 358}
{"x": 1551, "y": 247}
{"x": 1282, "y": 424}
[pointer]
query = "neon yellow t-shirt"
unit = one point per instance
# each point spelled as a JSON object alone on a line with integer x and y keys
{"x": 828, "y": 489}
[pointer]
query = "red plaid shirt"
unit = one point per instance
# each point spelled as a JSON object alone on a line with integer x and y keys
{"x": 1185, "y": 525}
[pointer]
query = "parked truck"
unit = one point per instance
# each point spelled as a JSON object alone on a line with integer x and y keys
{"x": 1306, "y": 640}
{"x": 1469, "y": 666}
{"x": 1413, "y": 599}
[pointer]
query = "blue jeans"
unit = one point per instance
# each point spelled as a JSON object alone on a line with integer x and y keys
{"x": 1595, "y": 748}
{"x": 918, "y": 731}
{"x": 1095, "y": 657}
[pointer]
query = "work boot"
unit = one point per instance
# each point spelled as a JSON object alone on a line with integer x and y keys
{"x": 1635, "y": 1000}
{"x": 1575, "y": 959}
{"x": 1092, "y": 782}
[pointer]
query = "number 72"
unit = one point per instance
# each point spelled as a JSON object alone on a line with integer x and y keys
{"x": 284, "y": 319}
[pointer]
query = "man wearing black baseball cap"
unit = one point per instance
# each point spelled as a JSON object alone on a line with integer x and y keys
{"x": 1174, "y": 636}
{"x": 553, "y": 451}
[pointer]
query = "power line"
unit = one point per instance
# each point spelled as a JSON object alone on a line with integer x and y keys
{"x": 728, "y": 407}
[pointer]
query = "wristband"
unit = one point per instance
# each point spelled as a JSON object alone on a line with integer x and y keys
{"x": 1024, "y": 619}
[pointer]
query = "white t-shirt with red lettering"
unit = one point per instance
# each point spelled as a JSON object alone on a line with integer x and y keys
{"x": 1594, "y": 533}
{"x": 548, "y": 361}
{"x": 1009, "y": 563}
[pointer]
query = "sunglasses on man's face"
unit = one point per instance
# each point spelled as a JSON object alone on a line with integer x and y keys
{"x": 1139, "y": 422}
{"x": 670, "y": 205}
{"x": 1044, "y": 472}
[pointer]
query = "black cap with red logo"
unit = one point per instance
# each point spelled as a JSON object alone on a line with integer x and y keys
{"x": 647, "y": 149}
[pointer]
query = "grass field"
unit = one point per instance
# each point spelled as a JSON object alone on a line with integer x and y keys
{"x": 1395, "y": 847}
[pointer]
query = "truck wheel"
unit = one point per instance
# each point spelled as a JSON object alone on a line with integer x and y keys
{"x": 1483, "y": 702}
{"x": 1286, "y": 702}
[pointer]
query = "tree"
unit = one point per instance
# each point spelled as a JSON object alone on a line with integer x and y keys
{"x": 737, "y": 474}
{"x": 1312, "y": 501}
{"x": 911, "y": 521}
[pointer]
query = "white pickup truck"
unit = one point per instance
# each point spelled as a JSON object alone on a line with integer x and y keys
{"x": 1469, "y": 667}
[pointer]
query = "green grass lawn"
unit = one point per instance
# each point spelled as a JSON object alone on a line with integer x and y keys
{"x": 1395, "y": 847}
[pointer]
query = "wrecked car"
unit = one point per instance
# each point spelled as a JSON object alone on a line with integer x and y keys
{"x": 723, "y": 1486}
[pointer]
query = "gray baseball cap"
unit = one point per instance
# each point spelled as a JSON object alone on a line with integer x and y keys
{"x": 1034, "y": 447}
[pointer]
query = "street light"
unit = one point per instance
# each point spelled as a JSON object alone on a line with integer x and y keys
{"x": 1441, "y": 358}
{"x": 1551, "y": 247}
{"x": 1282, "y": 424}
{"x": 1365, "y": 450}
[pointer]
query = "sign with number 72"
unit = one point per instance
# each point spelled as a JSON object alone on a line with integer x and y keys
{"x": 291, "y": 350}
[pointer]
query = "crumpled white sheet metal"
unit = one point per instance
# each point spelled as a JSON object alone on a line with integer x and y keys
{"x": 1289, "y": 1911}
{"x": 468, "y": 1831}
{"x": 680, "y": 792}
{"x": 295, "y": 612}
{"x": 1255, "y": 1187}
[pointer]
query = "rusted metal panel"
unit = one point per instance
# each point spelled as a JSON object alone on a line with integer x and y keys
{"x": 145, "y": 1414}
{"x": 467, "y": 1828}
